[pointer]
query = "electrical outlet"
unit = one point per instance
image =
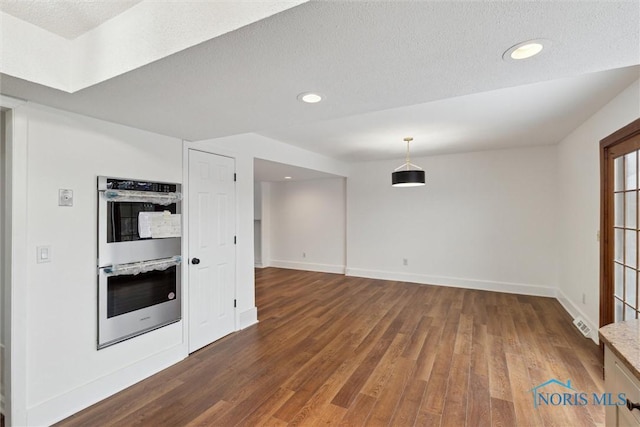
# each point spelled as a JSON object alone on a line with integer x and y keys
{"x": 304, "y": 254}
{"x": 405, "y": 261}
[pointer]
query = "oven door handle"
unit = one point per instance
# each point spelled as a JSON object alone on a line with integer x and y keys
{"x": 141, "y": 267}
{"x": 163, "y": 199}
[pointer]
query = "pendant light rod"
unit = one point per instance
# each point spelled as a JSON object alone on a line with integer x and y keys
{"x": 408, "y": 139}
{"x": 407, "y": 164}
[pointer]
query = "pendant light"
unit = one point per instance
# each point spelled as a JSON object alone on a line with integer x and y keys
{"x": 407, "y": 175}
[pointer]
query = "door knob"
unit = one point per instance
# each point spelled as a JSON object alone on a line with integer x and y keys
{"x": 195, "y": 261}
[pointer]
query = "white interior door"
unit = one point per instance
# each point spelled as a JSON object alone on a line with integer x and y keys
{"x": 211, "y": 248}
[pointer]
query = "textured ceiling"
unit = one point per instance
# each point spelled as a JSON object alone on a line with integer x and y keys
{"x": 68, "y": 19}
{"x": 535, "y": 114}
{"x": 373, "y": 56}
{"x": 145, "y": 32}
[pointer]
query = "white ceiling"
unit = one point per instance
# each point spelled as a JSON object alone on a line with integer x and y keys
{"x": 68, "y": 19}
{"x": 429, "y": 69}
{"x": 535, "y": 114}
{"x": 268, "y": 171}
{"x": 111, "y": 37}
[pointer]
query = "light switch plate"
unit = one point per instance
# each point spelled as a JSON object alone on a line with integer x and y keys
{"x": 43, "y": 254}
{"x": 65, "y": 197}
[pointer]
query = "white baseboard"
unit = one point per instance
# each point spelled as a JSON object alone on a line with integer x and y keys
{"x": 248, "y": 318}
{"x": 308, "y": 266}
{"x": 455, "y": 282}
{"x": 258, "y": 265}
{"x": 67, "y": 404}
{"x": 574, "y": 311}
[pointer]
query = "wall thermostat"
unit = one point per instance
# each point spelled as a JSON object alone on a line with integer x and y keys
{"x": 65, "y": 197}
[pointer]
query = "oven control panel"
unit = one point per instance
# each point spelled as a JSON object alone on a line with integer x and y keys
{"x": 127, "y": 184}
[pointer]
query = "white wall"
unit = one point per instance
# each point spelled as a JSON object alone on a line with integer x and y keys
{"x": 308, "y": 225}
{"x": 257, "y": 224}
{"x": 579, "y": 210}
{"x": 57, "y": 305}
{"x": 484, "y": 220}
{"x": 257, "y": 201}
{"x": 257, "y": 243}
{"x": 265, "y": 232}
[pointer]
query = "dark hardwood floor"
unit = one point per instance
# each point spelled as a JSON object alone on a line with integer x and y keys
{"x": 349, "y": 351}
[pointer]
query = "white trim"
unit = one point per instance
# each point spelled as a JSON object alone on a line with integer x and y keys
{"x": 308, "y": 266}
{"x": 10, "y": 102}
{"x": 185, "y": 246}
{"x": 574, "y": 311}
{"x": 5, "y": 250}
{"x": 455, "y": 282}
{"x": 248, "y": 317}
{"x": 17, "y": 153}
{"x": 67, "y": 404}
{"x": 2, "y": 398}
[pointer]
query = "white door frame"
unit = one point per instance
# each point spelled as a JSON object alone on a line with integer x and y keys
{"x": 15, "y": 262}
{"x": 186, "y": 146}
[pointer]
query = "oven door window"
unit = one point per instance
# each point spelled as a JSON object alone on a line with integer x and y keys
{"x": 130, "y": 293}
{"x": 122, "y": 219}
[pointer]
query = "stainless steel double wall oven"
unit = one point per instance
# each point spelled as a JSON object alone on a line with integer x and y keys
{"x": 139, "y": 257}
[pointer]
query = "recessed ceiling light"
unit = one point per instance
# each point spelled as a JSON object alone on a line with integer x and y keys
{"x": 309, "y": 97}
{"x": 287, "y": 177}
{"x": 526, "y": 49}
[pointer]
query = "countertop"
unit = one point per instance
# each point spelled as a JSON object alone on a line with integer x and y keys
{"x": 623, "y": 338}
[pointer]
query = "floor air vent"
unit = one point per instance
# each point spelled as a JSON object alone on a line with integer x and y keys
{"x": 582, "y": 326}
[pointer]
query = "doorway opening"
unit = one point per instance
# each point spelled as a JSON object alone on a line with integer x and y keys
{"x": 299, "y": 218}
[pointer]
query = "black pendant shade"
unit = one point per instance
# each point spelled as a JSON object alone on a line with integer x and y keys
{"x": 407, "y": 178}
